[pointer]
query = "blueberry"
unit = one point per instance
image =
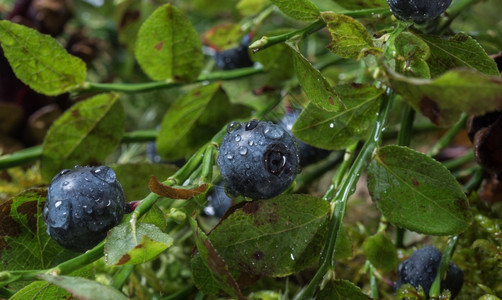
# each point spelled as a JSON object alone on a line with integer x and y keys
{"x": 82, "y": 205}
{"x": 258, "y": 159}
{"x": 219, "y": 202}
{"x": 308, "y": 154}
{"x": 421, "y": 268}
{"x": 418, "y": 11}
{"x": 235, "y": 58}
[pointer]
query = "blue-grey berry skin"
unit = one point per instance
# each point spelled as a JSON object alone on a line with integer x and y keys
{"x": 418, "y": 11}
{"x": 258, "y": 159}
{"x": 218, "y": 201}
{"x": 235, "y": 58}
{"x": 308, "y": 154}
{"x": 82, "y": 205}
{"x": 421, "y": 268}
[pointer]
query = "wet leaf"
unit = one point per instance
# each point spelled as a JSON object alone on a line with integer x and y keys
{"x": 314, "y": 84}
{"x": 443, "y": 99}
{"x": 341, "y": 289}
{"x": 193, "y": 119}
{"x": 223, "y": 37}
{"x": 168, "y": 47}
{"x": 40, "y": 61}
{"x": 338, "y": 130}
{"x": 215, "y": 263}
{"x": 175, "y": 193}
{"x": 417, "y": 193}
{"x": 24, "y": 244}
{"x": 349, "y": 38}
{"x": 273, "y": 237}
{"x": 84, "y": 135}
{"x": 251, "y": 7}
{"x": 298, "y": 9}
{"x": 411, "y": 53}
{"x": 84, "y": 289}
{"x": 381, "y": 252}
{"x": 460, "y": 50}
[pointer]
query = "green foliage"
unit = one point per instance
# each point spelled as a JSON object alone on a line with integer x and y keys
{"x": 298, "y": 9}
{"x": 168, "y": 47}
{"x": 96, "y": 123}
{"x": 342, "y": 289}
{"x": 416, "y": 192}
{"x": 40, "y": 61}
{"x": 381, "y": 252}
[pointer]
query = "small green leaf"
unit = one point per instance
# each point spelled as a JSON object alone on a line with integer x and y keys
{"x": 85, "y": 134}
{"x": 277, "y": 61}
{"x": 40, "y": 61}
{"x": 411, "y": 53}
{"x": 82, "y": 288}
{"x": 381, "y": 252}
{"x": 24, "y": 243}
{"x": 417, "y": 193}
{"x": 460, "y": 50}
{"x": 127, "y": 244}
{"x": 349, "y": 38}
{"x": 298, "y": 9}
{"x": 136, "y": 187}
{"x": 215, "y": 263}
{"x": 341, "y": 289}
{"x": 168, "y": 47}
{"x": 443, "y": 99}
{"x": 314, "y": 84}
{"x": 338, "y": 130}
{"x": 273, "y": 237}
{"x": 251, "y": 7}
{"x": 193, "y": 119}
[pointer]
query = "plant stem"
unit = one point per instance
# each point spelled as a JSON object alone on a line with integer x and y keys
{"x": 373, "y": 282}
{"x": 475, "y": 180}
{"x": 446, "y": 139}
{"x": 149, "y": 86}
{"x": 459, "y": 161}
{"x": 443, "y": 267}
{"x": 347, "y": 188}
{"x": 121, "y": 276}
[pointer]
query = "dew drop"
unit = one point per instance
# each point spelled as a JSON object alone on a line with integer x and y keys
{"x": 230, "y": 156}
{"x": 65, "y": 171}
{"x": 251, "y": 124}
{"x": 248, "y": 166}
{"x": 331, "y": 125}
{"x": 233, "y": 126}
{"x": 104, "y": 173}
{"x": 243, "y": 150}
{"x": 66, "y": 183}
{"x": 57, "y": 204}
{"x": 273, "y": 132}
{"x": 238, "y": 138}
{"x": 251, "y": 143}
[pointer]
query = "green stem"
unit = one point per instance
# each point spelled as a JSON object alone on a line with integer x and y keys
{"x": 459, "y": 161}
{"x": 208, "y": 163}
{"x": 347, "y": 188}
{"x": 373, "y": 282}
{"x": 348, "y": 158}
{"x": 121, "y": 276}
{"x": 33, "y": 153}
{"x": 474, "y": 181}
{"x": 443, "y": 267}
{"x": 446, "y": 139}
{"x": 149, "y": 86}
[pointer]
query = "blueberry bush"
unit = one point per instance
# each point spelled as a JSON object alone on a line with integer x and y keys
{"x": 251, "y": 149}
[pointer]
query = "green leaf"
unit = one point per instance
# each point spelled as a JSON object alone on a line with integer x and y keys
{"x": 84, "y": 289}
{"x": 193, "y": 119}
{"x": 443, "y": 99}
{"x": 85, "y": 134}
{"x": 203, "y": 278}
{"x": 40, "y": 61}
{"x": 24, "y": 243}
{"x": 341, "y": 289}
{"x": 251, "y": 7}
{"x": 168, "y": 47}
{"x": 274, "y": 237}
{"x": 417, "y": 193}
{"x": 215, "y": 263}
{"x": 381, "y": 252}
{"x": 349, "y": 38}
{"x": 460, "y": 50}
{"x": 224, "y": 36}
{"x": 338, "y": 130}
{"x": 128, "y": 244}
{"x": 361, "y": 4}
{"x": 343, "y": 246}
{"x": 277, "y": 61}
{"x": 298, "y": 9}
{"x": 136, "y": 187}
{"x": 411, "y": 53}
{"x": 44, "y": 290}
{"x": 314, "y": 84}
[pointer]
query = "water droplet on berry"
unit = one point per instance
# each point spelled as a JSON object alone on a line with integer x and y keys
{"x": 104, "y": 173}
{"x": 251, "y": 143}
{"x": 243, "y": 150}
{"x": 66, "y": 183}
{"x": 233, "y": 126}
{"x": 65, "y": 171}
{"x": 251, "y": 124}
{"x": 273, "y": 132}
{"x": 248, "y": 166}
{"x": 237, "y": 138}
{"x": 230, "y": 156}
{"x": 57, "y": 204}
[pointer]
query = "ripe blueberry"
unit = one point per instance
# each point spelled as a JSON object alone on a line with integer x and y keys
{"x": 219, "y": 202}
{"x": 308, "y": 154}
{"x": 421, "y": 268}
{"x": 418, "y": 11}
{"x": 235, "y": 58}
{"x": 82, "y": 205}
{"x": 258, "y": 159}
